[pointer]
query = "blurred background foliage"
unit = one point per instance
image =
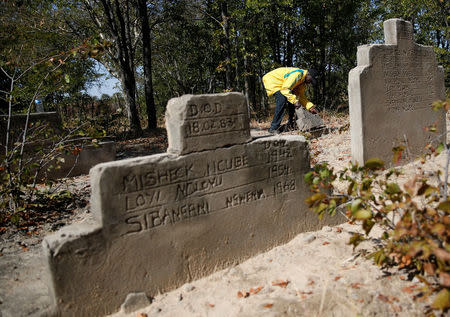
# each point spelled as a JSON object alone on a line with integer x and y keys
{"x": 193, "y": 46}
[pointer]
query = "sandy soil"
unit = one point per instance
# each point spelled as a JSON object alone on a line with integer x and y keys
{"x": 315, "y": 274}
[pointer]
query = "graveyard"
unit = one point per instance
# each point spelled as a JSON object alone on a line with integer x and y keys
{"x": 215, "y": 209}
{"x": 323, "y": 273}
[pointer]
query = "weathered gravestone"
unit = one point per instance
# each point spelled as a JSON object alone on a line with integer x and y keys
{"x": 164, "y": 220}
{"x": 207, "y": 123}
{"x": 390, "y": 94}
{"x": 307, "y": 121}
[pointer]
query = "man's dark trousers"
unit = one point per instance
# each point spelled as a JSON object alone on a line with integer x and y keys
{"x": 281, "y": 104}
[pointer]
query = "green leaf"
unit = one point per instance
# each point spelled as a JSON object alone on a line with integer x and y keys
{"x": 320, "y": 210}
{"x": 438, "y": 228}
{"x": 67, "y": 78}
{"x": 392, "y": 188}
{"x": 439, "y": 149}
{"x": 316, "y": 197}
{"x": 398, "y": 152}
{"x": 324, "y": 173}
{"x": 378, "y": 257}
{"x": 309, "y": 177}
{"x": 362, "y": 214}
{"x": 368, "y": 225}
{"x": 356, "y": 204}
{"x": 356, "y": 239}
{"x": 374, "y": 164}
{"x": 438, "y": 104}
{"x": 445, "y": 206}
{"x": 351, "y": 188}
{"x": 442, "y": 300}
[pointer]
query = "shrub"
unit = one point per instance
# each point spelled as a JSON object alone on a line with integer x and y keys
{"x": 414, "y": 217}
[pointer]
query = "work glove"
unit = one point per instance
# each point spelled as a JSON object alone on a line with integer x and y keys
{"x": 297, "y": 105}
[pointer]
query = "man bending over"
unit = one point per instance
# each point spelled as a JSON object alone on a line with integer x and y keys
{"x": 288, "y": 85}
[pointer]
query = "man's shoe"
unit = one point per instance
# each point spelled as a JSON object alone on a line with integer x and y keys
{"x": 274, "y": 132}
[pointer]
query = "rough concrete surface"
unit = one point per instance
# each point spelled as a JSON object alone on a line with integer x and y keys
{"x": 390, "y": 95}
{"x": 204, "y": 122}
{"x": 165, "y": 220}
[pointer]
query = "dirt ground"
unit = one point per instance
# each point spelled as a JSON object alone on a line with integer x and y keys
{"x": 315, "y": 274}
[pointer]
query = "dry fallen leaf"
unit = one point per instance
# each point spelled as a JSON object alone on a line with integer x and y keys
{"x": 211, "y": 305}
{"x": 304, "y": 293}
{"x": 397, "y": 308}
{"x": 142, "y": 315}
{"x": 408, "y": 289}
{"x": 268, "y": 305}
{"x": 256, "y": 290}
{"x": 311, "y": 282}
{"x": 337, "y": 278}
{"x": 356, "y": 285}
{"x": 387, "y": 299}
{"x": 239, "y": 294}
{"x": 280, "y": 283}
{"x": 325, "y": 243}
{"x": 384, "y": 298}
{"x": 339, "y": 229}
{"x": 402, "y": 278}
{"x": 444, "y": 279}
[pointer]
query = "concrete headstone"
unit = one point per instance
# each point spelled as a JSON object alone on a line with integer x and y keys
{"x": 205, "y": 122}
{"x": 307, "y": 121}
{"x": 390, "y": 95}
{"x": 164, "y": 220}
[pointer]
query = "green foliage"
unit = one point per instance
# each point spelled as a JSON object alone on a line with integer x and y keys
{"x": 31, "y": 149}
{"x": 414, "y": 217}
{"x": 33, "y": 40}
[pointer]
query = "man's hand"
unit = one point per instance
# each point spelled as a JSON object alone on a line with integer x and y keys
{"x": 297, "y": 105}
{"x": 313, "y": 110}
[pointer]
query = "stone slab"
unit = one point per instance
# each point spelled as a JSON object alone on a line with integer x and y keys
{"x": 17, "y": 124}
{"x": 165, "y": 220}
{"x": 307, "y": 121}
{"x": 390, "y": 95}
{"x": 81, "y": 163}
{"x": 204, "y": 122}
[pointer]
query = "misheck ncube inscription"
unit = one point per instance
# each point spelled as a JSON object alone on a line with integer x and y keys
{"x": 207, "y": 183}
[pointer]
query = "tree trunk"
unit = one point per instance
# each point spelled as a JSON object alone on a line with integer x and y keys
{"x": 246, "y": 83}
{"x": 264, "y": 102}
{"x": 237, "y": 70}
{"x": 147, "y": 58}
{"x": 226, "y": 31}
{"x": 119, "y": 31}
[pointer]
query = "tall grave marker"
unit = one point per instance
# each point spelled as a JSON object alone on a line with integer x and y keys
{"x": 390, "y": 94}
{"x": 166, "y": 219}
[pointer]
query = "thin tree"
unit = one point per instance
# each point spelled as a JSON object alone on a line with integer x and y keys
{"x": 147, "y": 61}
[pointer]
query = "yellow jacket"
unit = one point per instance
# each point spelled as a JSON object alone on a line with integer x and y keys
{"x": 285, "y": 80}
